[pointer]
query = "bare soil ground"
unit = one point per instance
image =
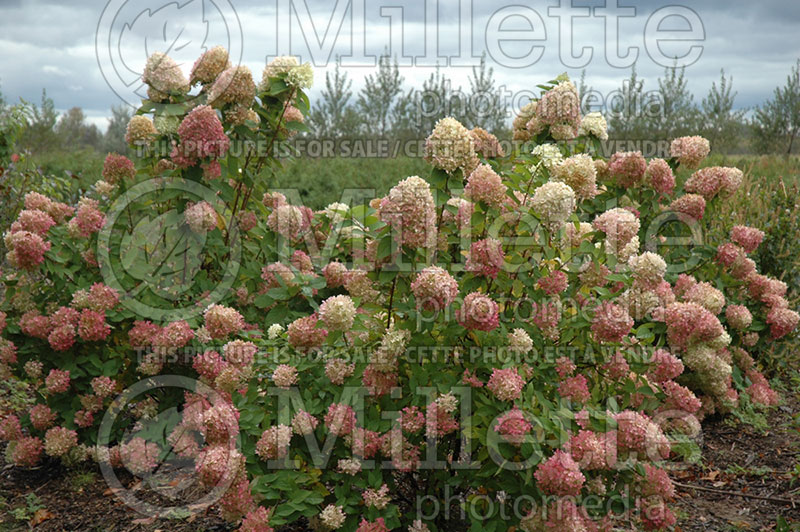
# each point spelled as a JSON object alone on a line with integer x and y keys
{"x": 745, "y": 480}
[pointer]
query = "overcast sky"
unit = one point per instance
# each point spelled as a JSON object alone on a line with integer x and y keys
{"x": 90, "y": 53}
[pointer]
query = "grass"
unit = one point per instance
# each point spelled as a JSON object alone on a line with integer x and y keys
{"x": 750, "y": 472}
{"x": 80, "y": 479}
{"x": 321, "y": 182}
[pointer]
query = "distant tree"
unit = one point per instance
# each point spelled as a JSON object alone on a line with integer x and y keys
{"x": 333, "y": 116}
{"x": 73, "y": 129}
{"x": 417, "y": 111}
{"x": 14, "y": 119}
{"x": 406, "y": 116}
{"x": 485, "y": 107}
{"x": 625, "y": 113}
{"x": 721, "y": 124}
{"x": 40, "y": 134}
{"x": 776, "y": 124}
{"x": 377, "y": 98}
{"x": 583, "y": 91}
{"x": 434, "y": 102}
{"x": 675, "y": 113}
{"x": 114, "y": 139}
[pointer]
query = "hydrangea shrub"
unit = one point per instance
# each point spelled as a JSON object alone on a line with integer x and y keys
{"x": 517, "y": 339}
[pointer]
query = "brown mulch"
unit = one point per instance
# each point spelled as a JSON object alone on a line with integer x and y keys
{"x": 69, "y": 504}
{"x": 738, "y": 459}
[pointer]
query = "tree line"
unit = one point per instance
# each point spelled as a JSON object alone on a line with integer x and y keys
{"x": 385, "y": 108}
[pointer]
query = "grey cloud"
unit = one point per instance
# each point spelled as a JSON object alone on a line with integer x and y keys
{"x": 52, "y": 44}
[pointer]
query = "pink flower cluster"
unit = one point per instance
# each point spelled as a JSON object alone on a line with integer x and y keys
{"x": 25, "y": 451}
{"x": 513, "y": 427}
{"x": 660, "y": 177}
{"x": 59, "y": 440}
{"x": 620, "y": 226}
{"x": 759, "y": 390}
{"x": 690, "y": 151}
{"x": 483, "y": 184}
{"x": 781, "y": 321}
{"x": 340, "y": 419}
{"x": 713, "y": 180}
{"x": 88, "y": 218}
{"x": 747, "y": 237}
{"x": 664, "y": 366}
{"x": 222, "y": 321}
{"x": 256, "y": 520}
{"x": 679, "y": 398}
{"x": 559, "y": 109}
{"x": 478, "y": 312}
{"x": 377, "y": 526}
{"x": 611, "y": 322}
{"x": 118, "y": 168}
{"x": 546, "y": 316}
{"x": 26, "y": 249}
{"x": 485, "y": 257}
{"x": 57, "y": 381}
{"x": 305, "y": 335}
{"x": 409, "y": 208}
{"x": 738, "y": 316}
{"x": 575, "y": 388}
{"x": 639, "y": 434}
{"x": 92, "y": 326}
{"x": 139, "y": 456}
{"x": 592, "y": 451}
{"x": 289, "y": 221}
{"x": 218, "y": 464}
{"x": 304, "y": 423}
{"x": 34, "y": 221}
{"x": 200, "y": 217}
{"x": 10, "y": 428}
{"x": 201, "y": 137}
{"x": 627, "y": 168}
{"x": 553, "y": 284}
{"x": 691, "y": 205}
{"x": 506, "y": 384}
{"x": 689, "y": 323}
{"x": 42, "y": 417}
{"x": 560, "y": 475}
{"x": 434, "y": 288}
{"x": 284, "y": 376}
{"x": 274, "y": 442}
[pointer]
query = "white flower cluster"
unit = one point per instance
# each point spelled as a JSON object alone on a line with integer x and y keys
{"x": 301, "y": 76}
{"x": 594, "y": 124}
{"x": 274, "y": 331}
{"x": 333, "y": 516}
{"x": 550, "y": 155}
{"x": 450, "y": 146}
{"x": 338, "y": 312}
{"x": 648, "y": 269}
{"x": 579, "y": 173}
{"x": 554, "y": 202}
{"x": 336, "y": 212}
{"x": 520, "y": 342}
